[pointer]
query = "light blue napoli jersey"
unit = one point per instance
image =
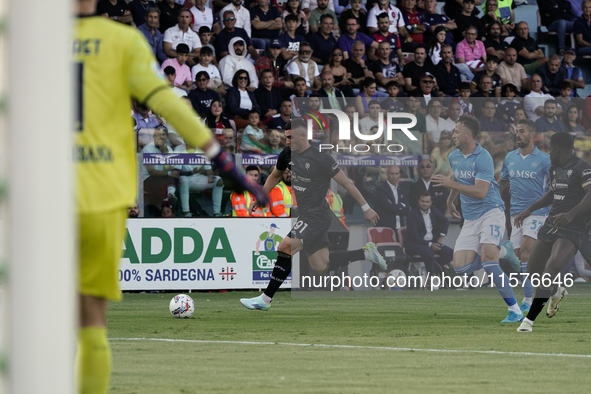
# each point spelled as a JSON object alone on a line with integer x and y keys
{"x": 477, "y": 165}
{"x": 529, "y": 178}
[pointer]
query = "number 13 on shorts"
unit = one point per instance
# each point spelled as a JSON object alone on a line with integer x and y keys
{"x": 495, "y": 231}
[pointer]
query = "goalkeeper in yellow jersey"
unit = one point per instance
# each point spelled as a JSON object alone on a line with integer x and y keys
{"x": 114, "y": 64}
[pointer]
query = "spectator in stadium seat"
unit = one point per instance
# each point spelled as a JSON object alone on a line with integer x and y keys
{"x": 439, "y": 155}
{"x": 272, "y": 60}
{"x": 152, "y": 34}
{"x": 323, "y": 42}
{"x": 290, "y": 41}
{"x": 182, "y": 34}
{"x": 426, "y": 90}
{"x": 116, "y": 10}
{"x": 182, "y": 71}
{"x": 471, "y": 51}
{"x": 392, "y": 103}
{"x": 339, "y": 72}
{"x": 512, "y": 72}
{"x": 139, "y": 8}
{"x": 384, "y": 35}
{"x": 489, "y": 121}
{"x": 504, "y": 11}
{"x": 438, "y": 193}
{"x": 436, "y": 20}
{"x": 170, "y": 74}
{"x": 280, "y": 120}
{"x": 385, "y": 69}
{"x": 241, "y": 14}
{"x": 202, "y": 97}
{"x": 572, "y": 124}
{"x": 311, "y": 5}
{"x": 372, "y": 120}
{"x": 167, "y": 210}
{"x": 294, "y": 7}
{"x": 564, "y": 100}
{"x": 347, "y": 40}
{"x": 268, "y": 97}
{"x": 454, "y": 111}
{"x": 467, "y": 19}
{"x": 426, "y": 228}
{"x": 582, "y": 30}
{"x": 205, "y": 36}
{"x": 391, "y": 204}
{"x": 529, "y": 54}
{"x": 215, "y": 120}
{"x": 415, "y": 24}
{"x": 303, "y": 66}
{"x": 204, "y": 17}
{"x": 492, "y": 63}
{"x": 317, "y": 13}
{"x": 494, "y": 43}
{"x": 549, "y": 121}
{"x": 552, "y": 75}
{"x": 133, "y": 212}
{"x": 355, "y": 65}
{"x": 355, "y": 12}
{"x": 491, "y": 16}
{"x": 509, "y": 103}
{"x": 253, "y": 136}
{"x": 412, "y": 71}
{"x": 229, "y": 32}
{"x": 483, "y": 91}
{"x": 447, "y": 74}
{"x": 368, "y": 93}
{"x": 169, "y": 12}
{"x": 534, "y": 101}
{"x": 241, "y": 202}
{"x": 557, "y": 17}
{"x": 395, "y": 19}
{"x": 299, "y": 98}
{"x": 331, "y": 96}
{"x": 144, "y": 119}
{"x": 435, "y": 123}
{"x": 453, "y": 8}
{"x": 574, "y": 75}
{"x": 266, "y": 24}
{"x": 236, "y": 60}
{"x": 205, "y": 64}
{"x": 240, "y": 100}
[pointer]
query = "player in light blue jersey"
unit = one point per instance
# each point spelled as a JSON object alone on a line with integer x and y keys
{"x": 483, "y": 210}
{"x": 527, "y": 170}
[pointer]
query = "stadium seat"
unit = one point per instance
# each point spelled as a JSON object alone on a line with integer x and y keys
{"x": 408, "y": 57}
{"x": 543, "y": 31}
{"x": 382, "y": 236}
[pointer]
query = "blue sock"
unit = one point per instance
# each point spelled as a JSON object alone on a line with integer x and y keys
{"x": 468, "y": 269}
{"x": 501, "y": 281}
{"x": 528, "y": 289}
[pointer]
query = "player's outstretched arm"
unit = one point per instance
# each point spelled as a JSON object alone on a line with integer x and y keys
{"x": 479, "y": 190}
{"x": 546, "y": 200}
{"x": 451, "y": 207}
{"x": 369, "y": 214}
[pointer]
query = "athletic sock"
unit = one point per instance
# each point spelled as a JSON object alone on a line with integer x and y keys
{"x": 342, "y": 259}
{"x": 468, "y": 269}
{"x": 528, "y": 289}
{"x": 93, "y": 363}
{"x": 280, "y": 272}
{"x": 502, "y": 252}
{"x": 266, "y": 299}
{"x": 539, "y": 302}
{"x": 502, "y": 282}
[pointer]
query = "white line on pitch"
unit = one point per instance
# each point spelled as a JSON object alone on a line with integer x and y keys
{"x": 403, "y": 349}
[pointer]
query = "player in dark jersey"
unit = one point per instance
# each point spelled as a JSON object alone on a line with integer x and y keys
{"x": 311, "y": 173}
{"x": 561, "y": 235}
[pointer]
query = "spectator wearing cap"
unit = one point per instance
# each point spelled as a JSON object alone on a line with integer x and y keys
{"x": 492, "y": 63}
{"x": 413, "y": 71}
{"x": 182, "y": 34}
{"x": 574, "y": 74}
{"x": 512, "y": 72}
{"x": 139, "y": 8}
{"x": 534, "y": 101}
{"x": 183, "y": 72}
{"x": 118, "y": 12}
{"x": 241, "y": 14}
{"x": 529, "y": 54}
{"x": 384, "y": 35}
{"x": 323, "y": 42}
{"x": 303, "y": 66}
{"x": 268, "y": 97}
{"x": 204, "y": 17}
{"x": 204, "y": 64}
{"x": 426, "y": 90}
{"x": 549, "y": 121}
{"x": 447, "y": 74}
{"x": 494, "y": 44}
{"x": 170, "y": 74}
{"x": 552, "y": 75}
{"x": 467, "y": 19}
{"x": 152, "y": 34}
{"x": 236, "y": 60}
{"x": 582, "y": 30}
{"x": 266, "y": 23}
{"x": 272, "y": 60}
{"x": 471, "y": 51}
{"x": 202, "y": 97}
{"x": 488, "y": 120}
{"x": 316, "y": 13}
{"x": 557, "y": 17}
{"x": 169, "y": 12}
{"x": 415, "y": 24}
{"x": 346, "y": 40}
{"x": 290, "y": 41}
{"x": 395, "y": 18}
{"x": 229, "y": 32}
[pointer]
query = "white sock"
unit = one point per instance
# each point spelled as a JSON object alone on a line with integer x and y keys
{"x": 529, "y": 321}
{"x": 527, "y": 300}
{"x": 266, "y": 299}
{"x": 171, "y": 190}
{"x": 366, "y": 253}
{"x": 515, "y": 308}
{"x": 503, "y": 252}
{"x": 557, "y": 294}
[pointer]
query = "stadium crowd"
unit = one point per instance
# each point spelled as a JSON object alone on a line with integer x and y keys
{"x": 248, "y": 67}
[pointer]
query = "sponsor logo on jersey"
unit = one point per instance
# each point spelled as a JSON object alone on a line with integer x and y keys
{"x": 464, "y": 174}
{"x": 523, "y": 174}
{"x": 558, "y": 197}
{"x": 534, "y": 164}
{"x": 569, "y": 173}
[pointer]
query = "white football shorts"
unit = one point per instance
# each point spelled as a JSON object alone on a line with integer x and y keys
{"x": 531, "y": 225}
{"x": 488, "y": 229}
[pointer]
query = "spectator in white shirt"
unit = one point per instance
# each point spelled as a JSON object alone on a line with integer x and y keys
{"x": 181, "y": 33}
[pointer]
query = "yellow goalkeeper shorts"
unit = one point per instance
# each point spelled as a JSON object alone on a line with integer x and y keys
{"x": 100, "y": 250}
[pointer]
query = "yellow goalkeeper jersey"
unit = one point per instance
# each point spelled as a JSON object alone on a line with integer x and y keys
{"x": 113, "y": 63}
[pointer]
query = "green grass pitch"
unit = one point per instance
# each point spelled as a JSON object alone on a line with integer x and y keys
{"x": 465, "y": 321}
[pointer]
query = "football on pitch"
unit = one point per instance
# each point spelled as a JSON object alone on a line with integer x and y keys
{"x": 182, "y": 306}
{"x": 397, "y": 280}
